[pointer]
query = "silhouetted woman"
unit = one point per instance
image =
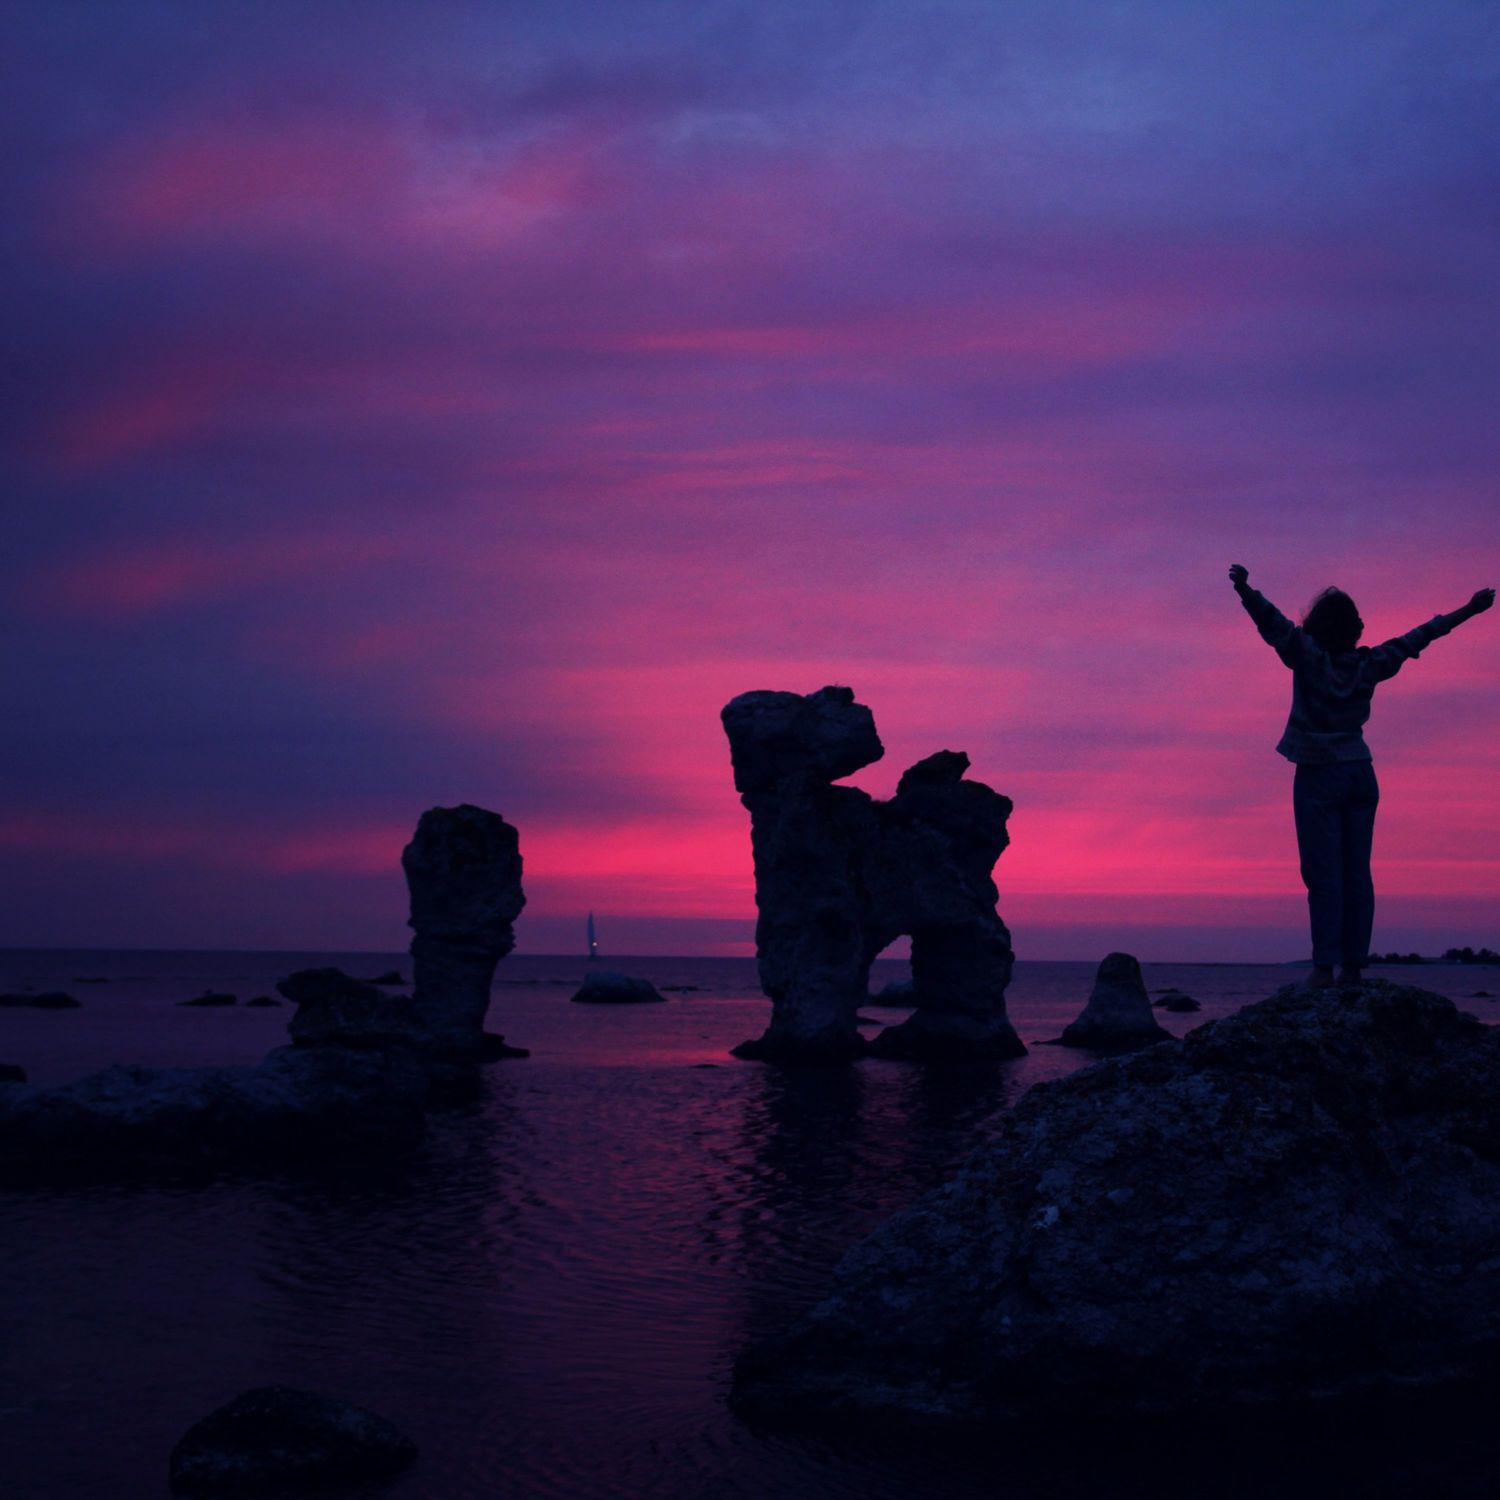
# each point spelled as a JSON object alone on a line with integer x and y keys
{"x": 1335, "y": 792}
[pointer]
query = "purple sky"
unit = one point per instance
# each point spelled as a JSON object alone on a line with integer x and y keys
{"x": 416, "y": 403}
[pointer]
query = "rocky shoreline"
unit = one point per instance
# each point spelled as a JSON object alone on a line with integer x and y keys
{"x": 1298, "y": 1202}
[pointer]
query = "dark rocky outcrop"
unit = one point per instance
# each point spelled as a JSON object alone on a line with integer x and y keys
{"x": 391, "y": 976}
{"x": 1299, "y": 1201}
{"x": 605, "y": 987}
{"x": 335, "y": 1008}
{"x": 211, "y": 998}
{"x": 300, "y": 1105}
{"x": 43, "y": 1000}
{"x": 12, "y": 1073}
{"x": 839, "y": 876}
{"x": 899, "y": 993}
{"x": 276, "y": 1440}
{"x": 261, "y": 1002}
{"x": 463, "y": 872}
{"x": 1118, "y": 1015}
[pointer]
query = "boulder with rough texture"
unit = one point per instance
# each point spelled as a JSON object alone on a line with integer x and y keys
{"x": 1296, "y": 1202}
{"x": 605, "y": 987}
{"x": 276, "y": 1440}
{"x": 463, "y": 872}
{"x": 300, "y": 1105}
{"x": 1118, "y": 1016}
{"x": 44, "y": 1000}
{"x": 840, "y": 876}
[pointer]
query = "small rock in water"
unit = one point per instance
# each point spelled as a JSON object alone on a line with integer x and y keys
{"x": 45, "y": 1000}
{"x": 676, "y": 989}
{"x": 91, "y": 979}
{"x": 262, "y": 1001}
{"x": 274, "y": 1439}
{"x": 210, "y": 997}
{"x": 391, "y": 976}
{"x": 1118, "y": 1016}
{"x": 609, "y": 988}
{"x": 1482, "y": 995}
{"x": 897, "y": 992}
{"x": 12, "y": 1073}
{"x": 1176, "y": 1000}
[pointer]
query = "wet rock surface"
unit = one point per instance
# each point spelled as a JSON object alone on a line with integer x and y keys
{"x": 1118, "y": 1015}
{"x": 605, "y": 987}
{"x": 1296, "y": 1202}
{"x": 276, "y": 1440}
{"x": 840, "y": 876}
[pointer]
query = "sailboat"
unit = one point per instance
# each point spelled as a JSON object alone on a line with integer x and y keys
{"x": 593, "y": 941}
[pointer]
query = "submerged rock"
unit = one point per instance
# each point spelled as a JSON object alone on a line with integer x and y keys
{"x": 276, "y": 1439}
{"x": 605, "y": 987}
{"x": 1118, "y": 1016}
{"x": 839, "y": 876}
{"x": 210, "y": 998}
{"x": 45, "y": 1000}
{"x": 1295, "y": 1202}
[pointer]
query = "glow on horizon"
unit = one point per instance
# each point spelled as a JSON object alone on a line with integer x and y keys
{"x": 467, "y": 410}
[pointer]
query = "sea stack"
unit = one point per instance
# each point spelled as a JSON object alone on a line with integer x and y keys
{"x": 839, "y": 876}
{"x": 463, "y": 871}
{"x": 1118, "y": 1016}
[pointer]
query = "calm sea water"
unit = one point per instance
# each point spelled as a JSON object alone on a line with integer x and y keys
{"x": 550, "y": 1297}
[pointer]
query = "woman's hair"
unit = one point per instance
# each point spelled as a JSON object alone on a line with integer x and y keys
{"x": 1333, "y": 621}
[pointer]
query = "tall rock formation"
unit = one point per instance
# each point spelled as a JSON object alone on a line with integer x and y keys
{"x": 463, "y": 871}
{"x": 840, "y": 876}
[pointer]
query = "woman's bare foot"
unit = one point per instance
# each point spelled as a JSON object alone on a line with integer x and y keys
{"x": 1321, "y": 977}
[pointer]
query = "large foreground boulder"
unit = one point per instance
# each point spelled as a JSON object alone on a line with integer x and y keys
{"x": 1118, "y": 1016}
{"x": 276, "y": 1440}
{"x": 1295, "y": 1202}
